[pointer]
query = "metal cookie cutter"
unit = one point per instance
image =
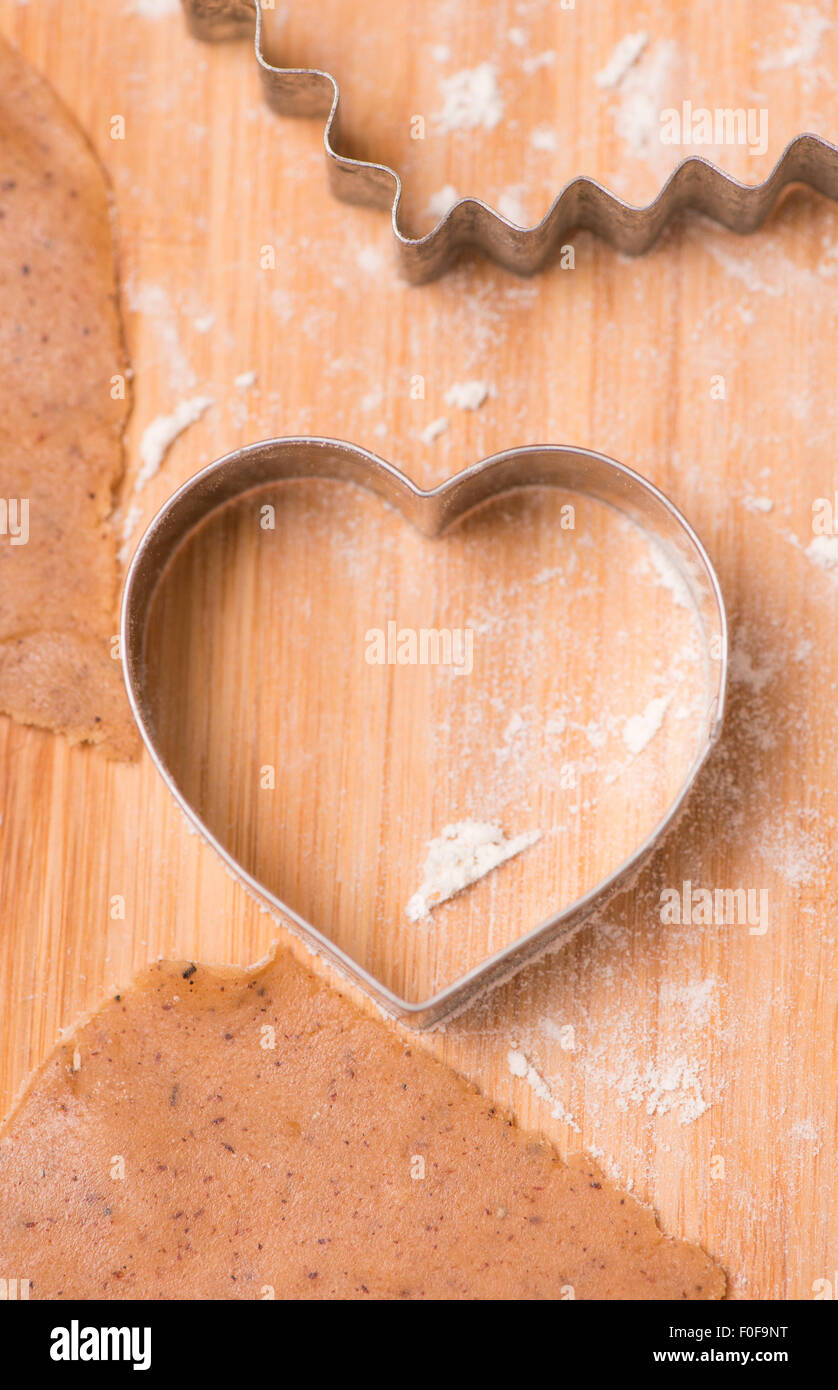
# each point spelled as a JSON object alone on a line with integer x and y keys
{"x": 582, "y": 203}
{"x": 576, "y": 470}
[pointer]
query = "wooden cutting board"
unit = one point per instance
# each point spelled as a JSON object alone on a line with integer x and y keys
{"x": 696, "y": 1061}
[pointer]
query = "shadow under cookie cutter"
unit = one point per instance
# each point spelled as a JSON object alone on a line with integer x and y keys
{"x": 432, "y": 512}
{"x": 582, "y": 204}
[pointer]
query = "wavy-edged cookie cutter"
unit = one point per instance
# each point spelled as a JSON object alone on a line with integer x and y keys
{"x": 432, "y": 512}
{"x": 582, "y": 203}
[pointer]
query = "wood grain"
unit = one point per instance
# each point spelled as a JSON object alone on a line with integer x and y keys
{"x": 618, "y": 355}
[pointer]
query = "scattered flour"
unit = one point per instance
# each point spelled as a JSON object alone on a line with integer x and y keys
{"x": 511, "y": 206}
{"x": 462, "y": 854}
{"x": 129, "y": 525}
{"x": 624, "y": 56}
{"x": 640, "y": 729}
{"x": 539, "y": 60}
{"x": 796, "y": 851}
{"x": 806, "y": 1130}
{"x": 668, "y": 576}
{"x": 244, "y": 380}
{"x": 643, "y": 92}
{"x": 596, "y": 735}
{"x": 435, "y": 429}
{"x": 204, "y": 323}
{"x": 544, "y": 576}
{"x": 744, "y": 670}
{"x": 745, "y": 270}
{"x": 155, "y": 303}
{"x": 443, "y": 201}
{"x": 824, "y": 551}
{"x": 544, "y": 137}
{"x": 470, "y": 99}
{"x": 611, "y": 1054}
{"x": 154, "y": 9}
{"x": 810, "y": 26}
{"x": 370, "y": 260}
{"x": 521, "y": 1066}
{"x": 758, "y": 504}
{"x": 467, "y": 395}
{"x": 160, "y": 435}
{"x": 512, "y": 737}
{"x": 673, "y": 1087}
{"x": 371, "y": 400}
{"x": 694, "y": 1001}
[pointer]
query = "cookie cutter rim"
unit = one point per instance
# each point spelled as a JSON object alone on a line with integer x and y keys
{"x": 433, "y": 511}
{"x": 582, "y": 203}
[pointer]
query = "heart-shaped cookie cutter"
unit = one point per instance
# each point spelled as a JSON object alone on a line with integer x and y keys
{"x": 432, "y": 512}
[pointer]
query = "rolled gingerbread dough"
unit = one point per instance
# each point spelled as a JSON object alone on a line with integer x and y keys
{"x": 63, "y": 406}
{"x": 225, "y": 1133}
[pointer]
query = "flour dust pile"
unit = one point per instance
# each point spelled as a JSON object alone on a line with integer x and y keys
{"x": 462, "y": 854}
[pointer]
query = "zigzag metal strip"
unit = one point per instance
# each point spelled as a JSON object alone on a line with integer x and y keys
{"x": 582, "y": 203}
